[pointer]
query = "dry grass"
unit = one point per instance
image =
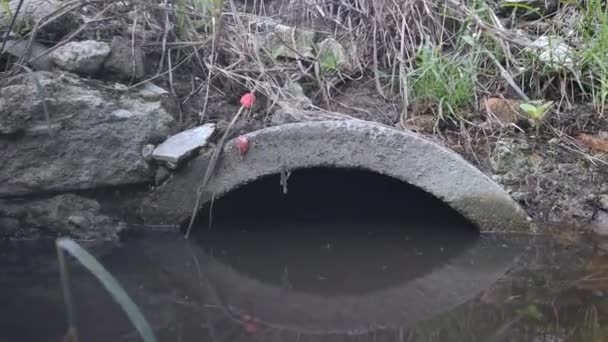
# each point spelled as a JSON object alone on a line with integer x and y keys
{"x": 442, "y": 58}
{"x": 416, "y": 51}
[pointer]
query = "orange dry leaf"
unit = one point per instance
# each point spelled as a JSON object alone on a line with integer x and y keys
{"x": 593, "y": 143}
{"x": 506, "y": 111}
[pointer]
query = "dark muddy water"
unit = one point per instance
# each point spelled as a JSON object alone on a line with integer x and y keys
{"x": 362, "y": 259}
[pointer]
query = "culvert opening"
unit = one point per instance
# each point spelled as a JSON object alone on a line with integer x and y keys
{"x": 332, "y": 231}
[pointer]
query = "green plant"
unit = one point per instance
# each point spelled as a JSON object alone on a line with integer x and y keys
{"x": 6, "y": 7}
{"x": 207, "y": 9}
{"x": 527, "y": 9}
{"x": 328, "y": 62}
{"x": 107, "y": 280}
{"x": 443, "y": 81}
{"x": 536, "y": 110}
{"x": 180, "y": 15}
{"x": 593, "y": 29}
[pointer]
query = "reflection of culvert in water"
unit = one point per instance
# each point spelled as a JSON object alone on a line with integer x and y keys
{"x": 400, "y": 306}
{"x": 351, "y": 144}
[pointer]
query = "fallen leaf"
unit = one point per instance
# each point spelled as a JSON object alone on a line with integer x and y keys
{"x": 594, "y": 143}
{"x": 506, "y": 111}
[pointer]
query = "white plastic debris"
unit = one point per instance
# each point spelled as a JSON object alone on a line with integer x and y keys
{"x": 180, "y": 146}
{"x": 553, "y": 51}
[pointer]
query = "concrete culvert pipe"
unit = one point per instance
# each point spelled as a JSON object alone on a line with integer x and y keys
{"x": 354, "y": 144}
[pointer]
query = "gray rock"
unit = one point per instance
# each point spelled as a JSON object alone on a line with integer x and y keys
{"x": 602, "y": 200}
{"x": 332, "y": 56}
{"x": 510, "y": 155}
{"x": 122, "y": 114}
{"x": 600, "y": 224}
{"x": 9, "y": 226}
{"x": 125, "y": 61}
{"x": 289, "y": 42}
{"x": 294, "y": 96}
{"x": 64, "y": 215}
{"x": 84, "y": 57}
{"x": 88, "y": 146}
{"x": 180, "y": 146}
{"x": 151, "y": 91}
{"x": 162, "y": 174}
{"x": 19, "y": 48}
{"x": 146, "y": 151}
{"x": 33, "y": 11}
{"x": 553, "y": 51}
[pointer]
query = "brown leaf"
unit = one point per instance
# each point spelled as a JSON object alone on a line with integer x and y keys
{"x": 594, "y": 143}
{"x": 506, "y": 111}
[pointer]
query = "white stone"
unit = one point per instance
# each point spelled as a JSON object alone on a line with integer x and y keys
{"x": 122, "y": 114}
{"x": 181, "y": 145}
{"x": 150, "y": 90}
{"x": 553, "y": 51}
{"x": 84, "y": 57}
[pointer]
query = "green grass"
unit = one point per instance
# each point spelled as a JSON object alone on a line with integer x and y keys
{"x": 446, "y": 82}
{"x": 6, "y": 7}
{"x": 209, "y": 11}
{"x": 107, "y": 280}
{"x": 594, "y": 54}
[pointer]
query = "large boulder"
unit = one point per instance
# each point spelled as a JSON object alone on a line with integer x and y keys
{"x": 80, "y": 136}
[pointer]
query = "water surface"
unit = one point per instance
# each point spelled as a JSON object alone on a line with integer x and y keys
{"x": 369, "y": 259}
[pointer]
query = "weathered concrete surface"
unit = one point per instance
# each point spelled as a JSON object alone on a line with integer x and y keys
{"x": 96, "y": 137}
{"x": 343, "y": 144}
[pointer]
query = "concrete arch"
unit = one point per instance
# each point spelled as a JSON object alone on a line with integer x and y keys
{"x": 403, "y": 155}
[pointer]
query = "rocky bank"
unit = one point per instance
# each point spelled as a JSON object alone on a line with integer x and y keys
{"x": 89, "y": 118}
